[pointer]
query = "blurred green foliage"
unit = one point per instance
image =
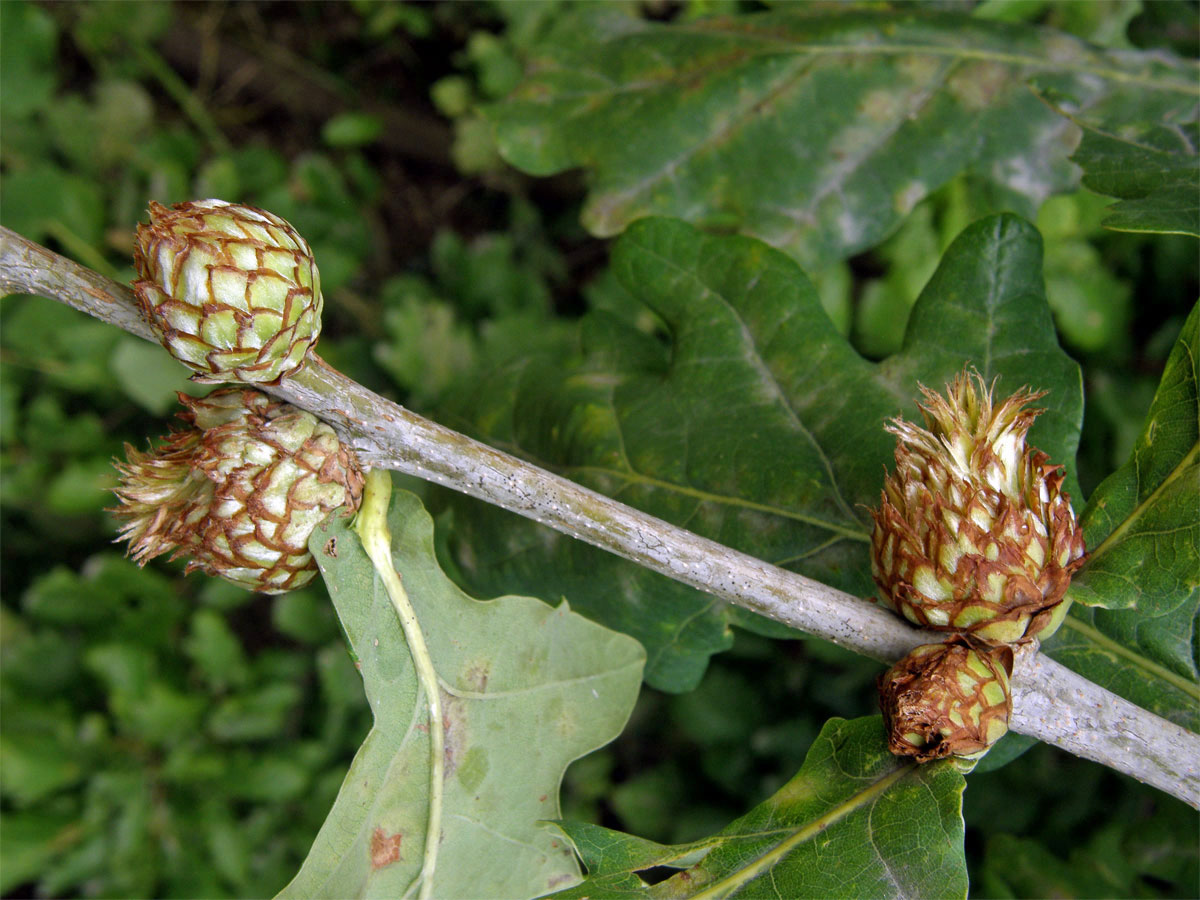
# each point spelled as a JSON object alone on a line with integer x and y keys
{"x": 165, "y": 736}
{"x": 151, "y": 749}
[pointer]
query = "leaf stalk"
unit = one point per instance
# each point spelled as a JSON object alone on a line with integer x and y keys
{"x": 372, "y": 529}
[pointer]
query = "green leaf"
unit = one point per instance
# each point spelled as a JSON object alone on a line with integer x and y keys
{"x": 146, "y": 706}
{"x": 107, "y": 132}
{"x": 34, "y": 662}
{"x": 113, "y": 597}
{"x": 229, "y": 850}
{"x": 911, "y": 256}
{"x": 117, "y": 846}
{"x": 31, "y": 843}
{"x": 498, "y": 72}
{"x": 37, "y": 757}
{"x": 1025, "y": 868}
{"x": 272, "y": 777}
{"x": 1142, "y": 527}
{"x": 1146, "y": 851}
{"x": 216, "y": 651}
{"x": 72, "y": 349}
{"x": 1091, "y": 304}
{"x": 526, "y": 689}
{"x": 497, "y": 272}
{"x": 149, "y": 375}
{"x": 82, "y": 487}
{"x": 27, "y": 51}
{"x": 351, "y": 129}
{"x": 304, "y": 616}
{"x": 755, "y": 423}
{"x": 1155, "y": 172}
{"x": 44, "y": 202}
{"x": 814, "y": 131}
{"x": 108, "y": 29}
{"x": 259, "y": 169}
{"x": 428, "y": 344}
{"x": 61, "y": 597}
{"x": 855, "y": 821}
{"x": 255, "y": 715}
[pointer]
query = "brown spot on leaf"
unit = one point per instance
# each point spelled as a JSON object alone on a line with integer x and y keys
{"x": 385, "y": 848}
{"x": 476, "y": 676}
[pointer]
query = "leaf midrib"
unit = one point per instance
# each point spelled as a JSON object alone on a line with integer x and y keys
{"x": 772, "y": 43}
{"x": 754, "y": 359}
{"x": 602, "y": 205}
{"x": 842, "y": 532}
{"x": 747, "y": 873}
{"x": 632, "y": 476}
{"x": 856, "y": 534}
{"x": 748, "y": 109}
{"x": 1189, "y": 459}
{"x": 1139, "y": 661}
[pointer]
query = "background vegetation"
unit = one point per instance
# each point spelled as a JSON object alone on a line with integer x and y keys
{"x": 165, "y": 736}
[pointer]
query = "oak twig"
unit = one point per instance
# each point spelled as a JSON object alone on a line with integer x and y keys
{"x": 1050, "y": 702}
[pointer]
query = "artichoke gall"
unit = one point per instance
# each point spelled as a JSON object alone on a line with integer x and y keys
{"x": 974, "y": 533}
{"x": 948, "y": 699}
{"x": 239, "y": 490}
{"x": 232, "y": 291}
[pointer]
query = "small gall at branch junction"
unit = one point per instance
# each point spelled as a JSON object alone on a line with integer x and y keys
{"x": 948, "y": 699}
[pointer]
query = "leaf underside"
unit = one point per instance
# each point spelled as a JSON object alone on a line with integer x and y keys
{"x": 526, "y": 689}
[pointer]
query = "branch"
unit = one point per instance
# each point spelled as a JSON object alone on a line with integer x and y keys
{"x": 1050, "y": 702}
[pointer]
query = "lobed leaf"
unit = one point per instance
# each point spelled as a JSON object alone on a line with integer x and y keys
{"x": 855, "y": 821}
{"x": 814, "y": 130}
{"x": 526, "y": 688}
{"x": 756, "y": 424}
{"x": 1155, "y": 172}
{"x": 1142, "y": 526}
